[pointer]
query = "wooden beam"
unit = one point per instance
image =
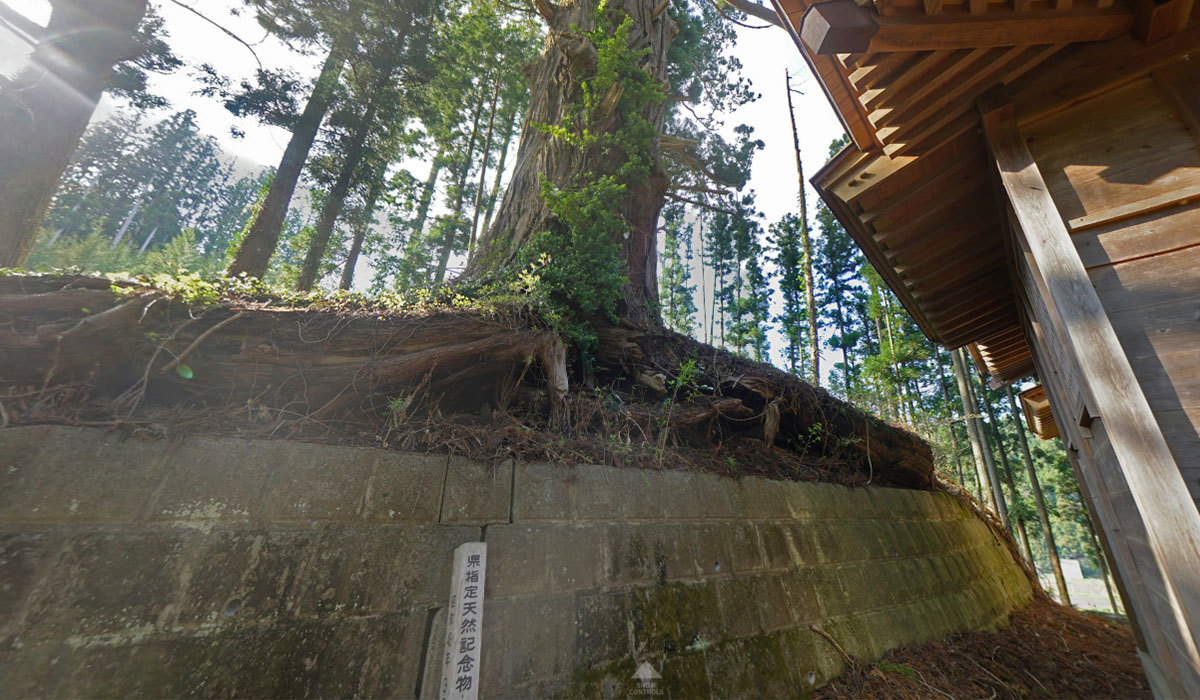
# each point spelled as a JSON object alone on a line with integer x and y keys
{"x": 1087, "y": 71}
{"x": 1181, "y": 81}
{"x": 842, "y": 26}
{"x": 831, "y": 78}
{"x": 1113, "y": 397}
{"x": 1156, "y": 20}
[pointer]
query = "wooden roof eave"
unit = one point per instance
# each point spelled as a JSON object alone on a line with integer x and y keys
{"x": 864, "y": 239}
{"x": 832, "y": 81}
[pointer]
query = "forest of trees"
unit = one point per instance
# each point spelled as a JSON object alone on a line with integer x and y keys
{"x": 419, "y": 155}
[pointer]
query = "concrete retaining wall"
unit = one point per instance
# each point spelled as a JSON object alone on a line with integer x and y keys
{"x": 221, "y": 567}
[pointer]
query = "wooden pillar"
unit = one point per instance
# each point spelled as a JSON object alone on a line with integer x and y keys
{"x": 1117, "y": 429}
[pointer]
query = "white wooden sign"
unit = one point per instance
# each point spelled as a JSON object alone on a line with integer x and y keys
{"x": 464, "y": 624}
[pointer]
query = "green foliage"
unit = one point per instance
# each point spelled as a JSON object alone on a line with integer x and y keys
{"x": 676, "y": 292}
{"x": 577, "y": 260}
{"x": 95, "y": 253}
{"x": 578, "y": 264}
{"x": 789, "y": 260}
{"x": 686, "y": 379}
{"x": 903, "y": 669}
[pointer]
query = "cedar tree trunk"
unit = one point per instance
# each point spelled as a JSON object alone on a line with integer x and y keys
{"x": 556, "y": 78}
{"x": 46, "y": 107}
{"x": 254, "y": 254}
{"x": 310, "y": 272}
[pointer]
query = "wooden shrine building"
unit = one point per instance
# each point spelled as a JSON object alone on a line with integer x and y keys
{"x": 1025, "y": 174}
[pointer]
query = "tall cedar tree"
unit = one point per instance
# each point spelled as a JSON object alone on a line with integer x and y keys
{"x": 45, "y": 109}
{"x": 333, "y": 26}
{"x": 593, "y": 129}
{"x": 677, "y": 292}
{"x": 789, "y": 261}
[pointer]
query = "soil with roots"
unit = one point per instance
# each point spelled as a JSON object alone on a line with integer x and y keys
{"x": 494, "y": 383}
{"x": 1045, "y": 650}
{"x": 488, "y": 384}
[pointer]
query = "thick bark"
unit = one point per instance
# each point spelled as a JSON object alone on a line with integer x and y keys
{"x": 1064, "y": 596}
{"x": 311, "y": 270}
{"x": 256, "y": 249}
{"x": 360, "y": 234}
{"x": 556, "y": 79}
{"x": 45, "y": 109}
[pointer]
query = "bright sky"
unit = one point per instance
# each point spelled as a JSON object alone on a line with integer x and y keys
{"x": 765, "y": 54}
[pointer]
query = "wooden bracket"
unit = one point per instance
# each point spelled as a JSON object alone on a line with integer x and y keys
{"x": 1155, "y": 21}
{"x": 842, "y": 26}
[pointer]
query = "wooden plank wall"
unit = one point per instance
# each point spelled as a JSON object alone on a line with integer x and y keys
{"x": 1123, "y": 168}
{"x": 1122, "y": 529}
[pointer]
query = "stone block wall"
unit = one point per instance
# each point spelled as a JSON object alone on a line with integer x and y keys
{"x": 234, "y": 568}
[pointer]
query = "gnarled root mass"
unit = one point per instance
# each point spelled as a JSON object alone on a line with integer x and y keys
{"x": 492, "y": 384}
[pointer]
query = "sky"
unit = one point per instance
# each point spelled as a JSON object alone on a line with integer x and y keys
{"x": 765, "y": 55}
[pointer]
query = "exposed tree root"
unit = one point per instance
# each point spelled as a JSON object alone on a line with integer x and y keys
{"x": 491, "y": 385}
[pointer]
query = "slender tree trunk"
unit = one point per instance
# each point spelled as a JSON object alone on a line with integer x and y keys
{"x": 841, "y": 321}
{"x": 1101, "y": 559}
{"x": 1005, "y": 466}
{"x": 360, "y": 233}
{"x": 704, "y": 314}
{"x": 1039, "y": 500}
{"x": 45, "y": 109}
{"x": 993, "y": 479}
{"x": 487, "y": 151}
{"x": 806, "y": 241}
{"x": 491, "y": 201}
{"x": 456, "y": 208}
{"x": 149, "y": 238}
{"x": 557, "y": 78}
{"x": 949, "y": 408}
{"x": 887, "y": 318}
{"x": 977, "y": 448}
{"x": 889, "y": 398}
{"x": 256, "y": 249}
{"x": 355, "y": 150}
{"x": 427, "y": 193}
{"x": 120, "y": 234}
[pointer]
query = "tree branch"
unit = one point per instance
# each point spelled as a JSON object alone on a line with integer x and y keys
{"x": 676, "y": 149}
{"x": 546, "y": 9}
{"x": 700, "y": 189}
{"x": 753, "y": 9}
{"x": 216, "y": 24}
{"x": 702, "y": 205}
{"x": 33, "y": 31}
